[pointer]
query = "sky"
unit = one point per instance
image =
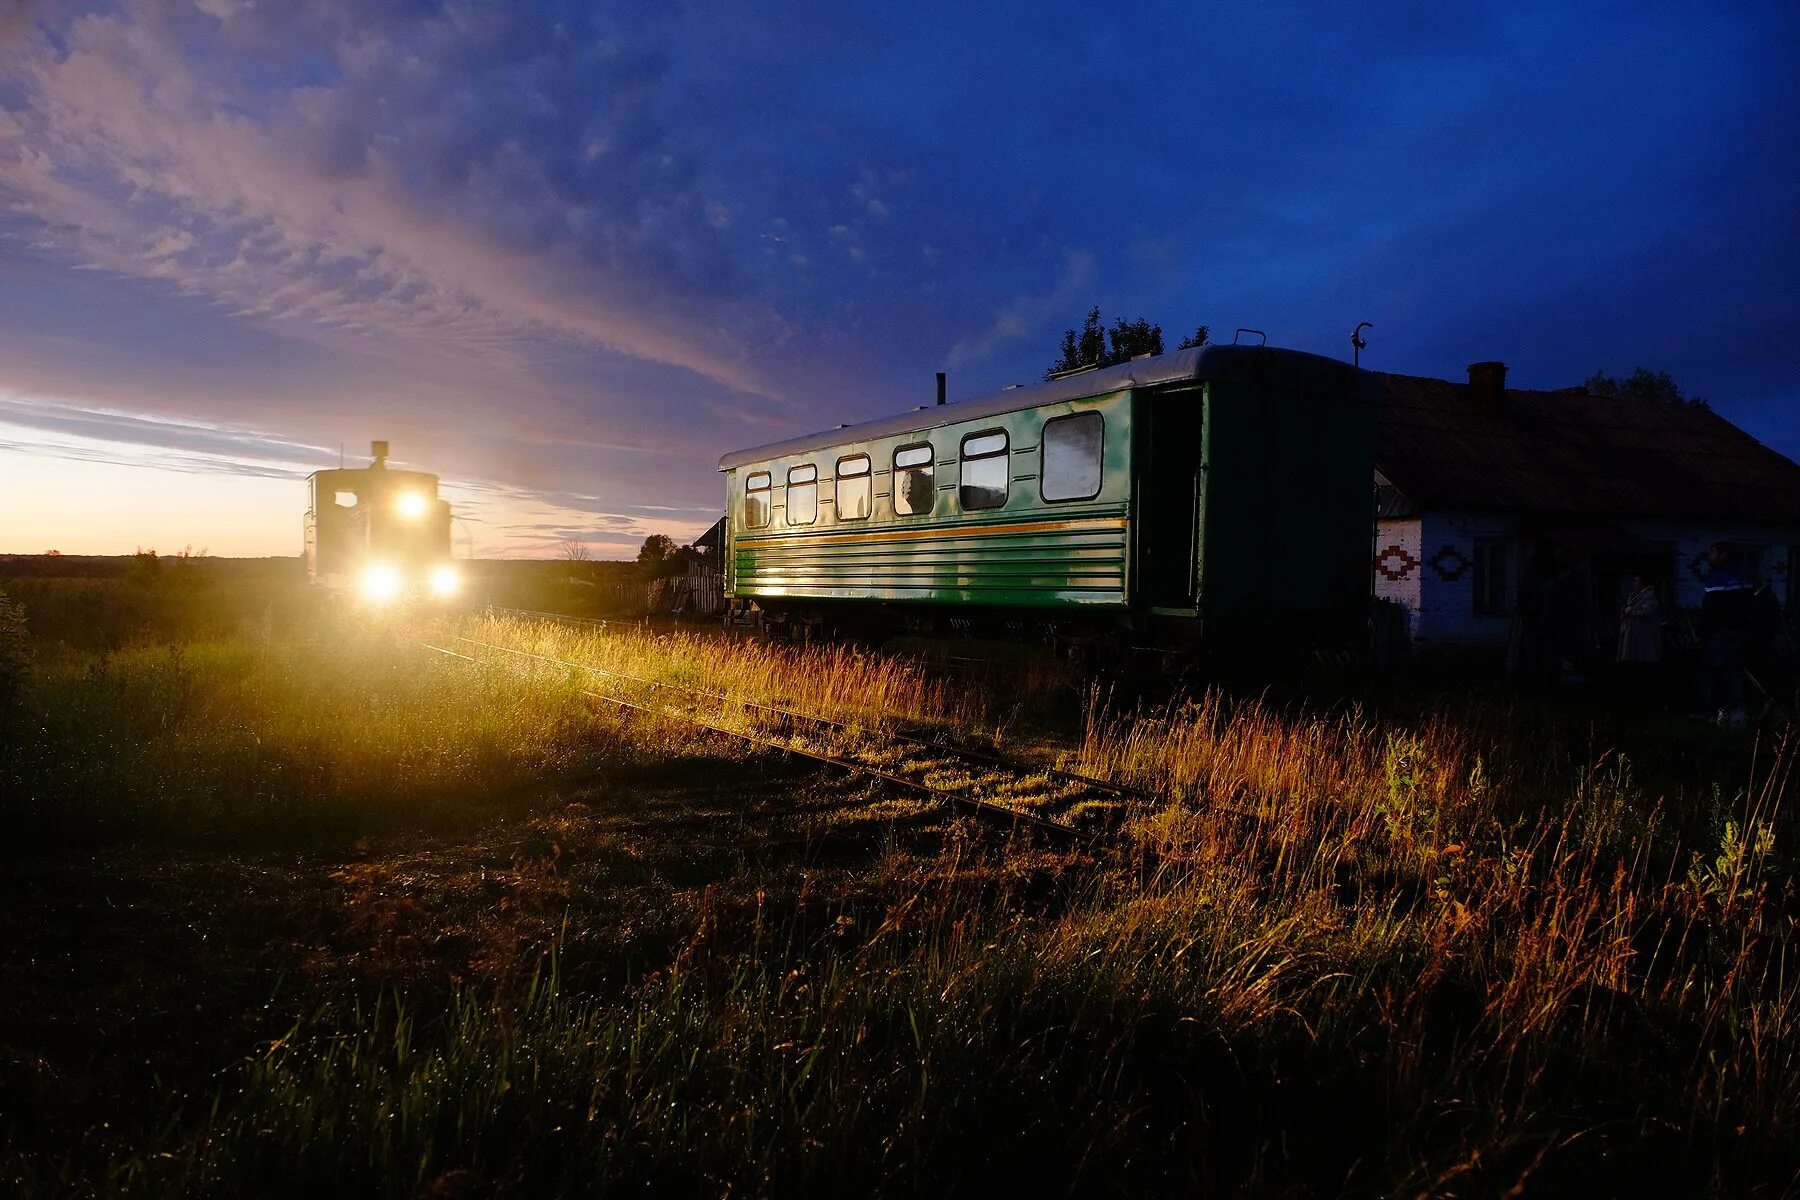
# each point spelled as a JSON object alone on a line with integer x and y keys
{"x": 566, "y": 255}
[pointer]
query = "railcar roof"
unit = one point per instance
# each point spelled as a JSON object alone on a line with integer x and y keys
{"x": 1204, "y": 362}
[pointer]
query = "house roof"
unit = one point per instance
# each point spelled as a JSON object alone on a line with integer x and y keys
{"x": 1444, "y": 445}
{"x": 713, "y": 538}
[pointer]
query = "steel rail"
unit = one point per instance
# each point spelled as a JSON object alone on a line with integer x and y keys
{"x": 540, "y": 615}
{"x": 1123, "y": 790}
{"x": 986, "y": 808}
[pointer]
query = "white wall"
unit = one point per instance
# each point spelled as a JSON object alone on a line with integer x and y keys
{"x": 1397, "y": 566}
{"x": 1447, "y": 617}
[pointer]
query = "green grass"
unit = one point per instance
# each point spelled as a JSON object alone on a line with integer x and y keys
{"x": 454, "y": 929}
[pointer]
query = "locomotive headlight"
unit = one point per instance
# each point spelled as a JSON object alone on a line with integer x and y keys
{"x": 380, "y": 583}
{"x": 411, "y": 505}
{"x": 446, "y": 581}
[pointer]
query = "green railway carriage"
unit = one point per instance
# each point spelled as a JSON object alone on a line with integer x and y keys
{"x": 1219, "y": 490}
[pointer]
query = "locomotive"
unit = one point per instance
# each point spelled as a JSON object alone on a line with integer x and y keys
{"x": 1218, "y": 495}
{"x": 379, "y": 533}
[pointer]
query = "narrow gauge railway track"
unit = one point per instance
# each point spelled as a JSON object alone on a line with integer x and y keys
{"x": 987, "y": 784}
{"x": 533, "y": 614}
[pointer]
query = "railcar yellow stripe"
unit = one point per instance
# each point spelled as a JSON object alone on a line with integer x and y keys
{"x": 776, "y": 541}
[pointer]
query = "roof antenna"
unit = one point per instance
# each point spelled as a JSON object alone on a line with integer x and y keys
{"x": 1358, "y": 343}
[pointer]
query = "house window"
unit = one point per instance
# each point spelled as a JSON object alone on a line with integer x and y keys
{"x": 984, "y": 468}
{"x": 802, "y": 495}
{"x": 914, "y": 490}
{"x": 853, "y": 481}
{"x": 1071, "y": 469}
{"x": 756, "y": 499}
{"x": 1493, "y": 596}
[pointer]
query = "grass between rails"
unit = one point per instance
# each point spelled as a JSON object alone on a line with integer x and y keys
{"x": 1356, "y": 955}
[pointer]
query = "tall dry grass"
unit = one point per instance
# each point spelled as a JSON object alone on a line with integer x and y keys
{"x": 835, "y": 681}
{"x": 1353, "y": 954}
{"x": 1584, "y": 928}
{"x": 343, "y": 729}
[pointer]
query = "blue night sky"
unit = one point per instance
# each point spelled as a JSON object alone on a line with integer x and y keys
{"x": 567, "y": 254}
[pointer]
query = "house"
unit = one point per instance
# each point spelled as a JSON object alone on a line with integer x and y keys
{"x": 1484, "y": 493}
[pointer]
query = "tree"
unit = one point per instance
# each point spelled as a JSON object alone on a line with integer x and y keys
{"x": 574, "y": 550}
{"x": 1084, "y": 349}
{"x": 657, "y": 549}
{"x": 1643, "y": 384}
{"x": 1195, "y": 339}
{"x": 1089, "y": 348}
{"x": 1132, "y": 338}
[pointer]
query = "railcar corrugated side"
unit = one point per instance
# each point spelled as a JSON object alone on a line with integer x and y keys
{"x": 1025, "y": 552}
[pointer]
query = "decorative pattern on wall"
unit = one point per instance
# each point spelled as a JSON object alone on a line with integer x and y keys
{"x": 1778, "y": 568}
{"x": 1395, "y": 563}
{"x": 1450, "y": 563}
{"x": 1699, "y": 565}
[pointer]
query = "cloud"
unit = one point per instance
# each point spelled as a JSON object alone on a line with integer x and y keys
{"x": 298, "y": 207}
{"x": 99, "y": 435}
{"x": 1025, "y": 315}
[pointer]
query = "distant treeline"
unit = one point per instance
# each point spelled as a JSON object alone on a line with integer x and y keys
{"x": 114, "y": 566}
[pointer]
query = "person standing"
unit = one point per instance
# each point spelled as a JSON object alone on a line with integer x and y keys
{"x": 1725, "y": 620}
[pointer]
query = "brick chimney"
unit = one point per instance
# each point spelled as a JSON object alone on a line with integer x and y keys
{"x": 1487, "y": 380}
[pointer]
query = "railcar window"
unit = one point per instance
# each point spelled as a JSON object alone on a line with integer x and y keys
{"x": 346, "y": 499}
{"x": 853, "y": 480}
{"x": 984, "y": 470}
{"x": 756, "y": 499}
{"x": 802, "y": 495}
{"x": 1072, "y": 446}
{"x": 914, "y": 489}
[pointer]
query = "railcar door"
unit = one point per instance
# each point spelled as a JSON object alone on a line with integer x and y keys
{"x": 1169, "y": 440}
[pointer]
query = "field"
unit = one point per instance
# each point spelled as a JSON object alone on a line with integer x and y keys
{"x": 292, "y": 903}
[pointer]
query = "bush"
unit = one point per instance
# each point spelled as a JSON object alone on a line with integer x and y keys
{"x": 15, "y": 652}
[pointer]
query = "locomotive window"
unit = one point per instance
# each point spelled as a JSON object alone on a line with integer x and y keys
{"x": 802, "y": 495}
{"x": 984, "y": 470}
{"x": 1071, "y": 468}
{"x": 914, "y": 491}
{"x": 346, "y": 499}
{"x": 853, "y": 481}
{"x": 756, "y": 499}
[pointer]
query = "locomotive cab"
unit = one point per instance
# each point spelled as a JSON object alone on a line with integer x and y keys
{"x": 378, "y": 532}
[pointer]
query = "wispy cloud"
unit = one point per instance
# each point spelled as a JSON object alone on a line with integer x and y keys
{"x": 101, "y": 435}
{"x": 128, "y": 159}
{"x": 1025, "y": 316}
